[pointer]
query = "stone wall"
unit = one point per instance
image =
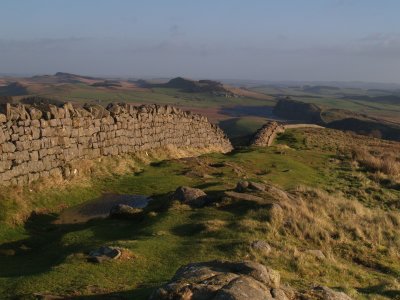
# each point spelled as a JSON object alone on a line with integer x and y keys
{"x": 266, "y": 134}
{"x": 42, "y": 141}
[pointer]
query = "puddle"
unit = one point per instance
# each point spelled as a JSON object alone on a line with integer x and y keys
{"x": 100, "y": 208}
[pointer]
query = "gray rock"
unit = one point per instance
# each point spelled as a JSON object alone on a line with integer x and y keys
{"x": 124, "y": 211}
{"x": 104, "y": 253}
{"x": 223, "y": 280}
{"x": 191, "y": 196}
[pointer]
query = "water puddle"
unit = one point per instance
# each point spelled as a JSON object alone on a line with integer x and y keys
{"x": 100, "y": 208}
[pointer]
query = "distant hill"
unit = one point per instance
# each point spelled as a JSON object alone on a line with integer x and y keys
{"x": 62, "y": 77}
{"x": 13, "y": 89}
{"x": 296, "y": 110}
{"x": 202, "y": 86}
{"x": 336, "y": 118}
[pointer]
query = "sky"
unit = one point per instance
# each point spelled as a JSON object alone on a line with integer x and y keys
{"x": 275, "y": 40}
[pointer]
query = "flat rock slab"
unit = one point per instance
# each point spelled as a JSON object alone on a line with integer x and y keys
{"x": 244, "y": 196}
{"x": 104, "y": 253}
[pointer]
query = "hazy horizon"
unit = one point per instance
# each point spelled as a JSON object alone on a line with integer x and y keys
{"x": 328, "y": 40}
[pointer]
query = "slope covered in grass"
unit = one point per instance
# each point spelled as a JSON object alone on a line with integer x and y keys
{"x": 329, "y": 202}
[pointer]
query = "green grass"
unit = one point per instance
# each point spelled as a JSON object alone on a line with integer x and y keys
{"x": 50, "y": 258}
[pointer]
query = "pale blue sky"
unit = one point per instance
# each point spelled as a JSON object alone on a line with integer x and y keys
{"x": 255, "y": 39}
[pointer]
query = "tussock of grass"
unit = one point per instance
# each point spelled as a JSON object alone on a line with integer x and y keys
{"x": 387, "y": 162}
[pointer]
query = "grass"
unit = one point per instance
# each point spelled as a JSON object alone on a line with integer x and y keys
{"x": 358, "y": 234}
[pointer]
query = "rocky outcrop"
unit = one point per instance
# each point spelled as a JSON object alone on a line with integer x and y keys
{"x": 297, "y": 110}
{"x": 123, "y": 211}
{"x": 266, "y": 134}
{"x": 223, "y": 280}
{"x": 42, "y": 140}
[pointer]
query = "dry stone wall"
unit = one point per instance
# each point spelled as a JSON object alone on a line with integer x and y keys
{"x": 265, "y": 136}
{"x": 42, "y": 141}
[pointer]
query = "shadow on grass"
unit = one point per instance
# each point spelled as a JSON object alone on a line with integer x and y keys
{"x": 45, "y": 248}
{"x": 381, "y": 290}
{"x": 140, "y": 293}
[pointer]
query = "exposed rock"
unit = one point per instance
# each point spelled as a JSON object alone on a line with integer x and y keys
{"x": 190, "y": 196}
{"x": 244, "y": 196}
{"x": 221, "y": 280}
{"x": 104, "y": 253}
{"x": 256, "y": 186}
{"x": 261, "y": 246}
{"x": 124, "y": 211}
{"x": 297, "y": 110}
{"x": 325, "y": 293}
{"x": 275, "y": 192}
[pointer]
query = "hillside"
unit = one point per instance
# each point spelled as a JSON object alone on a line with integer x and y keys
{"x": 326, "y": 212}
{"x": 297, "y": 110}
{"x": 341, "y": 119}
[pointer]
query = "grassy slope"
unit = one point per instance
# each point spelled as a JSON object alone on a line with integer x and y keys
{"x": 84, "y": 93}
{"x": 50, "y": 257}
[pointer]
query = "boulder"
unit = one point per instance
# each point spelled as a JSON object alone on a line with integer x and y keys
{"x": 124, "y": 211}
{"x": 243, "y": 186}
{"x": 190, "y": 196}
{"x": 104, "y": 253}
{"x": 222, "y": 280}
